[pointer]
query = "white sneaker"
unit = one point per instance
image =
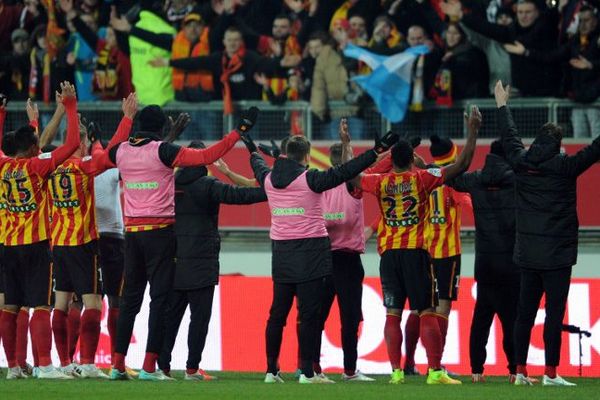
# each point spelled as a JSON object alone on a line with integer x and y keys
{"x": 86, "y": 371}
{"x": 357, "y": 377}
{"x": 157, "y": 375}
{"x": 49, "y": 372}
{"x": 70, "y": 369}
{"x": 315, "y": 379}
{"x": 35, "y": 372}
{"x": 15, "y": 373}
{"x": 324, "y": 378}
{"x": 272, "y": 378}
{"x": 558, "y": 381}
{"x": 522, "y": 380}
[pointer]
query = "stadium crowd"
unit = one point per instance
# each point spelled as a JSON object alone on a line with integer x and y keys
{"x": 286, "y": 50}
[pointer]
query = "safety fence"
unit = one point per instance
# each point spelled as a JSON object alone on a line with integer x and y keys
{"x": 209, "y": 123}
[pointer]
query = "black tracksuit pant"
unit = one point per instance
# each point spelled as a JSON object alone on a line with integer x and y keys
{"x": 309, "y": 297}
{"x": 149, "y": 258}
{"x": 200, "y": 302}
{"x": 535, "y": 283}
{"x": 345, "y": 283}
{"x": 492, "y": 299}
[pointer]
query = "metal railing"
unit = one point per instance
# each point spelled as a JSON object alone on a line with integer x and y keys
{"x": 209, "y": 123}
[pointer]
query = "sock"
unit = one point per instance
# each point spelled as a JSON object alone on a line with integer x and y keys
{"x": 40, "y": 328}
{"x": 73, "y": 329}
{"x": 90, "y": 333}
{"x": 119, "y": 362}
{"x": 550, "y": 372}
{"x": 317, "y": 368}
{"x": 432, "y": 340}
{"x": 150, "y": 362}
{"x": 393, "y": 339}
{"x": 522, "y": 369}
{"x": 8, "y": 326}
{"x": 411, "y": 338}
{"x": 443, "y": 324}
{"x": 59, "y": 328}
{"x": 113, "y": 317}
{"x": 21, "y": 342}
{"x": 36, "y": 359}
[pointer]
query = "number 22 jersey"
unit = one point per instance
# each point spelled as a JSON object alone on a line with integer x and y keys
{"x": 403, "y": 200}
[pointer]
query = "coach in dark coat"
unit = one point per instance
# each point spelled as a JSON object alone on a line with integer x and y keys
{"x": 492, "y": 191}
{"x": 547, "y": 230}
{"x": 197, "y": 201}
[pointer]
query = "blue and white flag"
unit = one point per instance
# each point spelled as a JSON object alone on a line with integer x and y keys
{"x": 389, "y": 83}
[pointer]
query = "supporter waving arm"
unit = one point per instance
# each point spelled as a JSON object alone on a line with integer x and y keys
{"x": 463, "y": 161}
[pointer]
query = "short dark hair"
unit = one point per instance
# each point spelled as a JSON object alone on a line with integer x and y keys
{"x": 402, "y": 154}
{"x": 25, "y": 138}
{"x": 283, "y": 16}
{"x": 335, "y": 154}
{"x": 534, "y": 2}
{"x": 283, "y": 145}
{"x": 321, "y": 36}
{"x": 587, "y": 8}
{"x": 551, "y": 129}
{"x": 233, "y": 29}
{"x": 8, "y": 143}
{"x": 197, "y": 144}
{"x": 298, "y": 147}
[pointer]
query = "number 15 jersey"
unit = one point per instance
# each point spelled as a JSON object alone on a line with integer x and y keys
{"x": 404, "y": 204}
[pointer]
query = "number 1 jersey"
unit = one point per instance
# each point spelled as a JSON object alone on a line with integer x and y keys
{"x": 404, "y": 203}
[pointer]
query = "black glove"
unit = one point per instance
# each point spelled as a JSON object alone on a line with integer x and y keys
{"x": 384, "y": 143}
{"x": 414, "y": 141}
{"x": 94, "y": 132}
{"x": 249, "y": 143}
{"x": 271, "y": 151}
{"x": 247, "y": 120}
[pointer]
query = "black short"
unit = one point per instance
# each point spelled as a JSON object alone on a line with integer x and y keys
{"x": 111, "y": 251}
{"x": 407, "y": 273}
{"x": 447, "y": 276}
{"x": 76, "y": 269}
{"x": 28, "y": 275}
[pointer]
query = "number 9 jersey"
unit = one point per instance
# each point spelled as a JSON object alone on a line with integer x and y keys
{"x": 404, "y": 203}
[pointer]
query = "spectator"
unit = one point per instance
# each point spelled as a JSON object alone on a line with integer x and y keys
{"x": 497, "y": 57}
{"x": 406, "y": 13}
{"x": 42, "y": 75}
{"x": 358, "y": 26}
{"x": 82, "y": 57}
{"x": 177, "y": 10}
{"x": 463, "y": 72}
{"x": 15, "y": 16}
{"x": 194, "y": 39}
{"x": 583, "y": 82}
{"x": 386, "y": 39}
{"x": 330, "y": 83}
{"x": 535, "y": 28}
{"x": 233, "y": 69}
{"x": 152, "y": 85}
{"x": 425, "y": 67}
{"x": 14, "y": 68}
{"x": 112, "y": 70}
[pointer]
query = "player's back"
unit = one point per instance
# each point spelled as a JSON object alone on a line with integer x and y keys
{"x": 73, "y": 210}
{"x": 403, "y": 199}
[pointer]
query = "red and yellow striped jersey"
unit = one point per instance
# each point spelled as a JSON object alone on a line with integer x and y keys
{"x": 4, "y": 215}
{"x": 26, "y": 186}
{"x": 443, "y": 230}
{"x": 404, "y": 204}
{"x": 73, "y": 205}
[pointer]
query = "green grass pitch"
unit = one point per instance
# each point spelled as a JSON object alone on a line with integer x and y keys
{"x": 236, "y": 386}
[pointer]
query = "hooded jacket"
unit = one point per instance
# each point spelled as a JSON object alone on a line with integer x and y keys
{"x": 303, "y": 260}
{"x": 492, "y": 191}
{"x": 197, "y": 201}
{"x": 546, "y": 196}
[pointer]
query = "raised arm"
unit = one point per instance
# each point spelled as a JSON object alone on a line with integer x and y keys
{"x": 511, "y": 142}
{"x": 260, "y": 167}
{"x": 45, "y": 164}
{"x": 463, "y": 161}
{"x": 229, "y": 194}
{"x": 583, "y": 159}
{"x": 51, "y": 129}
{"x": 234, "y": 177}
{"x": 453, "y": 9}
